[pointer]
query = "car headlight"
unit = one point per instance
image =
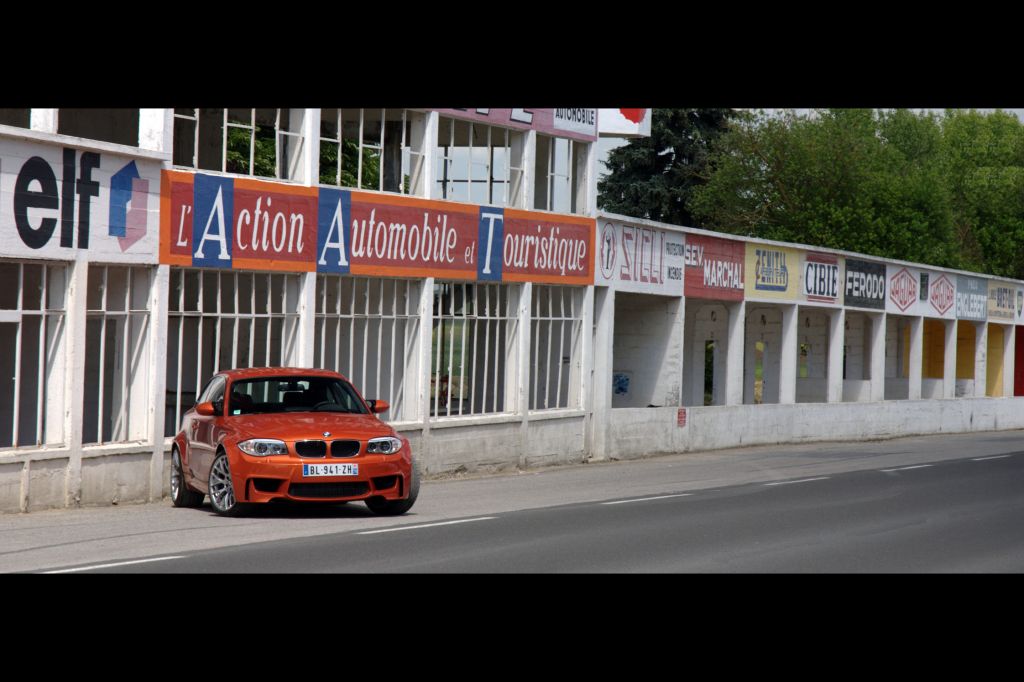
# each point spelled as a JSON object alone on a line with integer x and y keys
{"x": 263, "y": 447}
{"x": 383, "y": 446}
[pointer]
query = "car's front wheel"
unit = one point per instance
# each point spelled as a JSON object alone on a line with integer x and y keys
{"x": 181, "y": 494}
{"x": 382, "y": 507}
{"x": 222, "y": 491}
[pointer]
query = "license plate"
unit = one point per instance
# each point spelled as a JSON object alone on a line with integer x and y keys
{"x": 312, "y": 470}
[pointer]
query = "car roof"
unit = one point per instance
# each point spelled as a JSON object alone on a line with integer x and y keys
{"x": 257, "y": 372}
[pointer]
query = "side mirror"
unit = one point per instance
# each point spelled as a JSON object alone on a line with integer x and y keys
{"x": 206, "y": 409}
{"x": 378, "y": 406}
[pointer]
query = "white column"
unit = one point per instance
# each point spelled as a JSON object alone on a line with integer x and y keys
{"x": 788, "y": 355}
{"x": 590, "y": 188}
{"x": 426, "y": 336}
{"x": 836, "y": 342}
{"x": 581, "y": 377}
{"x": 156, "y": 129}
{"x": 75, "y": 377}
{"x": 1009, "y": 355}
{"x": 949, "y": 361}
{"x": 158, "y": 305}
{"x": 734, "y": 360}
{"x": 915, "y": 372}
{"x": 519, "y": 370}
{"x": 43, "y": 120}
{"x": 604, "y": 317}
{"x": 980, "y": 365}
{"x": 878, "y": 324}
{"x": 529, "y": 169}
{"x": 304, "y": 164}
{"x": 679, "y": 331}
{"x": 429, "y": 151}
{"x": 305, "y": 352}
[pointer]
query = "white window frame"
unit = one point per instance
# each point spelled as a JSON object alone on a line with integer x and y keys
{"x": 280, "y": 135}
{"x": 396, "y": 319}
{"x": 285, "y": 333}
{"x": 50, "y": 318}
{"x": 495, "y": 309}
{"x": 509, "y": 175}
{"x": 555, "y": 318}
{"x": 131, "y": 320}
{"x": 552, "y": 177}
{"x": 411, "y": 160}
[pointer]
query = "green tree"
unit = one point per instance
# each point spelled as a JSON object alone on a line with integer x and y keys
{"x": 653, "y": 177}
{"x": 984, "y": 155}
{"x": 853, "y": 179}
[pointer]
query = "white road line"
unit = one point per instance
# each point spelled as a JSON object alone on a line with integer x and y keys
{"x": 982, "y": 459}
{"x": 916, "y": 466}
{"x": 802, "y": 480}
{"x": 645, "y": 499}
{"x": 425, "y": 525}
{"x": 121, "y": 563}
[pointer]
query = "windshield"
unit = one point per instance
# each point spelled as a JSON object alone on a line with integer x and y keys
{"x": 293, "y": 394}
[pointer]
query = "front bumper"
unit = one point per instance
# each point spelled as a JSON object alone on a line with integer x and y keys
{"x": 263, "y": 479}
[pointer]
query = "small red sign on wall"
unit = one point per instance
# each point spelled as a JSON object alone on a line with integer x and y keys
{"x": 681, "y": 417}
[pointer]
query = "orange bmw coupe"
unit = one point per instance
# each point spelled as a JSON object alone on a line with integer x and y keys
{"x": 257, "y": 435}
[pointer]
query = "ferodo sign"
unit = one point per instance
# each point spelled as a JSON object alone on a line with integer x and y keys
{"x": 640, "y": 259}
{"x": 865, "y": 284}
{"x": 224, "y": 222}
{"x": 57, "y": 202}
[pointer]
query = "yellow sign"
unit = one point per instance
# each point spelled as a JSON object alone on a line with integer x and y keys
{"x": 1001, "y": 302}
{"x": 773, "y": 272}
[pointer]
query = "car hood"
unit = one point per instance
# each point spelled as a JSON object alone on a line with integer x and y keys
{"x": 309, "y": 426}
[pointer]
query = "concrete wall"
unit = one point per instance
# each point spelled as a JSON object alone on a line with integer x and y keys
{"x": 635, "y": 433}
{"x": 501, "y": 446}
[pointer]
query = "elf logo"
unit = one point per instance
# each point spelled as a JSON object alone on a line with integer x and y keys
{"x": 41, "y": 201}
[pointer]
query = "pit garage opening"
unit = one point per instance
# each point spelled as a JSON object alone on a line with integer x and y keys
{"x": 646, "y": 355}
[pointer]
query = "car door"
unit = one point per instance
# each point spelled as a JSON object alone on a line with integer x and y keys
{"x": 202, "y": 434}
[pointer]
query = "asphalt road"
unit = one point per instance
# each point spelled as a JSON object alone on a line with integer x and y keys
{"x": 934, "y": 504}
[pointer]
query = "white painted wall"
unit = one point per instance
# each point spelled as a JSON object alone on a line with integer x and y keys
{"x": 648, "y": 346}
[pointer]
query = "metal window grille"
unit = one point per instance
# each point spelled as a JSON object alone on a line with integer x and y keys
{"x": 556, "y": 318}
{"x": 479, "y": 163}
{"x": 224, "y": 320}
{"x": 472, "y": 326}
{"x": 258, "y": 142}
{"x": 370, "y": 149}
{"x": 366, "y": 329}
{"x": 32, "y": 322}
{"x": 117, "y": 354}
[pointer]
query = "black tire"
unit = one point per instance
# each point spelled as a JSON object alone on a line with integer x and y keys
{"x": 222, "y": 490}
{"x": 382, "y": 507}
{"x": 181, "y": 494}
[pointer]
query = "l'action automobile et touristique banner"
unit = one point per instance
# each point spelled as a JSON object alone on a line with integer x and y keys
{"x": 224, "y": 222}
